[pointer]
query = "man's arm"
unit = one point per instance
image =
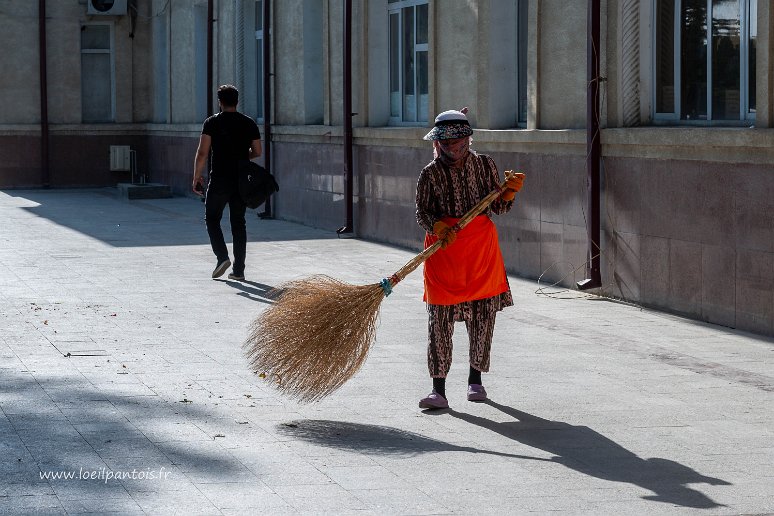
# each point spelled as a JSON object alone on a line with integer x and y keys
{"x": 205, "y": 141}
{"x": 255, "y": 149}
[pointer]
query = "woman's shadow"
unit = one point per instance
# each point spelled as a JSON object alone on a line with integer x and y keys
{"x": 582, "y": 449}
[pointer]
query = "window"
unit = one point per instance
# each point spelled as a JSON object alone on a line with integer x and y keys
{"x": 97, "y": 99}
{"x": 408, "y": 33}
{"x": 705, "y": 60}
{"x": 752, "y": 27}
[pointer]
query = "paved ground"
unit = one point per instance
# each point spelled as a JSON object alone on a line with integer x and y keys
{"x": 120, "y": 368}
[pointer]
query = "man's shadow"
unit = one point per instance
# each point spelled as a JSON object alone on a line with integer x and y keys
{"x": 582, "y": 449}
{"x": 256, "y": 291}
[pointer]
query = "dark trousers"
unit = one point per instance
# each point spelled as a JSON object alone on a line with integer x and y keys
{"x": 214, "y": 203}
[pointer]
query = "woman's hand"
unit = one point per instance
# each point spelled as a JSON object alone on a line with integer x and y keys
{"x": 513, "y": 183}
{"x": 444, "y": 233}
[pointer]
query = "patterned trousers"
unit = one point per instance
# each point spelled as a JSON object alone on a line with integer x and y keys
{"x": 479, "y": 317}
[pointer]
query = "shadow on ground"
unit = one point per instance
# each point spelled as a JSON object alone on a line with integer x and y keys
{"x": 382, "y": 440}
{"x": 101, "y": 214}
{"x": 50, "y": 428}
{"x": 576, "y": 447}
{"x": 584, "y": 450}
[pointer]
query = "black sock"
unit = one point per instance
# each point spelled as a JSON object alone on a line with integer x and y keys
{"x": 439, "y": 385}
{"x": 474, "y": 377}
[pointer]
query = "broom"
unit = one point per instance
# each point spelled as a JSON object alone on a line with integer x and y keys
{"x": 317, "y": 334}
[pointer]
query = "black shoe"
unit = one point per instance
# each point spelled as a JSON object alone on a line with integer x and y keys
{"x": 238, "y": 277}
{"x": 221, "y": 269}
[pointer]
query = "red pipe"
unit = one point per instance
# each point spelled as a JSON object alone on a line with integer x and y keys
{"x": 44, "y": 133}
{"x": 266, "y": 99}
{"x": 348, "y": 229}
{"x": 593, "y": 149}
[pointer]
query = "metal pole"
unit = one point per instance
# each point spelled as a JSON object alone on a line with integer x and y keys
{"x": 210, "y": 54}
{"x": 347, "y": 230}
{"x": 593, "y": 153}
{"x": 266, "y": 99}
{"x": 44, "y": 133}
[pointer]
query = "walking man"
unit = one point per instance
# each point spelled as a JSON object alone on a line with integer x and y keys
{"x": 232, "y": 137}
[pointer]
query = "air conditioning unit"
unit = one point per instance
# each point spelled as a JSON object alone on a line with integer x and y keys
{"x": 106, "y": 7}
{"x": 120, "y": 158}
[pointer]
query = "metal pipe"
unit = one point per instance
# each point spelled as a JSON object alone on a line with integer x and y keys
{"x": 266, "y": 214}
{"x": 347, "y": 230}
{"x": 210, "y": 55}
{"x": 266, "y": 98}
{"x": 44, "y": 133}
{"x": 593, "y": 148}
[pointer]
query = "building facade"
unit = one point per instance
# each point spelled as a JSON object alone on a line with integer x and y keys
{"x": 687, "y": 181}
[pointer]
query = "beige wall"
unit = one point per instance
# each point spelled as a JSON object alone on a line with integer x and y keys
{"x": 686, "y": 228}
{"x": 140, "y": 67}
{"x": 764, "y": 59}
{"x": 289, "y": 74}
{"x": 562, "y": 70}
{"x": 64, "y": 61}
{"x": 19, "y": 85}
{"x": 182, "y": 66}
{"x": 457, "y": 51}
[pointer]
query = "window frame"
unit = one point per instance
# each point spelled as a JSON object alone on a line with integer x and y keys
{"x": 745, "y": 115}
{"x": 395, "y": 8}
{"x": 112, "y": 58}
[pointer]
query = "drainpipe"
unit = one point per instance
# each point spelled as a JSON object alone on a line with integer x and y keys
{"x": 592, "y": 149}
{"x": 266, "y": 99}
{"x": 210, "y": 53}
{"x": 45, "y": 178}
{"x": 347, "y": 231}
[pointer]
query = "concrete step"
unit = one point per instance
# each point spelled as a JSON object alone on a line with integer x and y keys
{"x": 143, "y": 191}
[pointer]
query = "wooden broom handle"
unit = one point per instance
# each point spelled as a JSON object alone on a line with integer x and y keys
{"x": 474, "y": 212}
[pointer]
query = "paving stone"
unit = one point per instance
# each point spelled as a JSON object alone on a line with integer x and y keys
{"x": 29, "y": 504}
{"x": 253, "y": 497}
{"x": 319, "y": 498}
{"x": 112, "y": 504}
{"x": 406, "y": 500}
{"x": 598, "y": 407}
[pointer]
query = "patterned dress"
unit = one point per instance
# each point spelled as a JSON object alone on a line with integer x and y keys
{"x": 443, "y": 191}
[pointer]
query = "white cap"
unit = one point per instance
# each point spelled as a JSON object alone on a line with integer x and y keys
{"x": 451, "y": 115}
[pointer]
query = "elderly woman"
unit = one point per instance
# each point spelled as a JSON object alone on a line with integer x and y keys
{"x": 465, "y": 280}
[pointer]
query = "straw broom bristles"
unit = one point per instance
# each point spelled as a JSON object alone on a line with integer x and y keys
{"x": 316, "y": 336}
{"x": 318, "y": 333}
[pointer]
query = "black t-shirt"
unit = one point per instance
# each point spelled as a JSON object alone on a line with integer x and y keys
{"x": 231, "y": 133}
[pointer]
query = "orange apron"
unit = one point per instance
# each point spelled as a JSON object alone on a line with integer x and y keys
{"x": 471, "y": 268}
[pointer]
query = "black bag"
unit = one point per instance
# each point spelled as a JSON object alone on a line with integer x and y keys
{"x": 256, "y": 184}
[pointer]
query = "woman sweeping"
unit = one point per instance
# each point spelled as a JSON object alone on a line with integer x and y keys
{"x": 465, "y": 280}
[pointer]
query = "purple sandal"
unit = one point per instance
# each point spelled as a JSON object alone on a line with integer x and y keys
{"x": 476, "y": 392}
{"x": 433, "y": 401}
